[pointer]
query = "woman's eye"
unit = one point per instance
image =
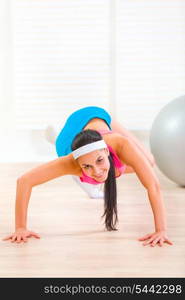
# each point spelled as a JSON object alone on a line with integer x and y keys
{"x": 99, "y": 160}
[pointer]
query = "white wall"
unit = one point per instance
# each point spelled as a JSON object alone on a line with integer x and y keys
{"x": 15, "y": 145}
{"x": 59, "y": 55}
{"x": 62, "y": 58}
{"x": 151, "y": 58}
{"x": 7, "y": 115}
{"x": 6, "y": 66}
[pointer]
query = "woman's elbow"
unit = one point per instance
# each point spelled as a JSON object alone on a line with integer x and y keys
{"x": 24, "y": 179}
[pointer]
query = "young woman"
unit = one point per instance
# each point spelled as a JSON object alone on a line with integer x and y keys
{"x": 95, "y": 150}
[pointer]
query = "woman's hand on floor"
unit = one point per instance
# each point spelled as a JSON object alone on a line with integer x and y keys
{"x": 21, "y": 235}
{"x": 156, "y": 238}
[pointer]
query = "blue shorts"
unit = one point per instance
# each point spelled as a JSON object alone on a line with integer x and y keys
{"x": 75, "y": 123}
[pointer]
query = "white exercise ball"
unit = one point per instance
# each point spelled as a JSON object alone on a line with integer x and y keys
{"x": 167, "y": 140}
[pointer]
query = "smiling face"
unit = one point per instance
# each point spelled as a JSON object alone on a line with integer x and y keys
{"x": 95, "y": 164}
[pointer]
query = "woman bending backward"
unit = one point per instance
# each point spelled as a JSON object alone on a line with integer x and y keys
{"x": 96, "y": 158}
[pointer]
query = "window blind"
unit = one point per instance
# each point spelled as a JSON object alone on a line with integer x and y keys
{"x": 62, "y": 59}
{"x": 150, "y": 58}
{"x": 126, "y": 56}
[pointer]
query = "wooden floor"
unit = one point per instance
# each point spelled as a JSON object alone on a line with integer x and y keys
{"x": 73, "y": 240}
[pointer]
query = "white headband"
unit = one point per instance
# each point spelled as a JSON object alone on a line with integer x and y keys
{"x": 89, "y": 148}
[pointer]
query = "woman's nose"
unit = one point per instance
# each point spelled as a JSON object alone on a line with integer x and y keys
{"x": 97, "y": 171}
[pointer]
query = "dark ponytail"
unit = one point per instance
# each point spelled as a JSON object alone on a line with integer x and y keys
{"x": 110, "y": 192}
{"x": 110, "y": 198}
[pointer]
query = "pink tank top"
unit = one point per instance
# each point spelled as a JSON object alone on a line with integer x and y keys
{"x": 117, "y": 163}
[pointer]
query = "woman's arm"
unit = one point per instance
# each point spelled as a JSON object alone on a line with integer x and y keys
{"x": 130, "y": 155}
{"x": 41, "y": 174}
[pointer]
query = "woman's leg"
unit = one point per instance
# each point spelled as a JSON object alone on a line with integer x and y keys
{"x": 51, "y": 133}
{"x": 116, "y": 126}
